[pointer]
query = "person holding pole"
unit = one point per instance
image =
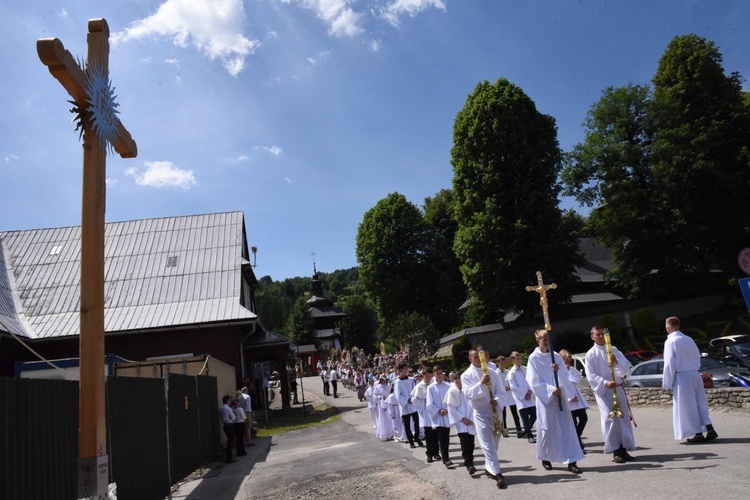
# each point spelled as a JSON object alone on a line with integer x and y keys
{"x": 557, "y": 440}
{"x": 605, "y": 367}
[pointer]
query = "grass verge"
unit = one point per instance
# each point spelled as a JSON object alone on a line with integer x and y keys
{"x": 321, "y": 415}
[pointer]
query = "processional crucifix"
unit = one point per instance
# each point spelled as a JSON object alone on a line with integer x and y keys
{"x": 542, "y": 289}
{"x": 93, "y": 98}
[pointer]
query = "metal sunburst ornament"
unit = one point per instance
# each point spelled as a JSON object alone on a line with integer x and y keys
{"x": 100, "y": 107}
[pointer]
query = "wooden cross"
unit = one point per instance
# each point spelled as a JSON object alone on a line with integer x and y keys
{"x": 92, "y": 105}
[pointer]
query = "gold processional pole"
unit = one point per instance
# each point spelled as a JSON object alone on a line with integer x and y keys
{"x": 616, "y": 411}
{"x": 498, "y": 430}
{"x": 541, "y": 289}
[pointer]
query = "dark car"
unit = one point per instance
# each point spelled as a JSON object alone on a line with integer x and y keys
{"x": 651, "y": 373}
{"x": 731, "y": 353}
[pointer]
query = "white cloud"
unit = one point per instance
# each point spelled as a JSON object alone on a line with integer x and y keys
{"x": 63, "y": 13}
{"x": 395, "y": 8}
{"x": 272, "y": 34}
{"x": 374, "y": 45}
{"x": 341, "y": 18}
{"x": 239, "y": 159}
{"x": 288, "y": 180}
{"x": 110, "y": 181}
{"x": 11, "y": 157}
{"x": 321, "y": 56}
{"x": 173, "y": 62}
{"x": 215, "y": 27}
{"x": 160, "y": 174}
{"x": 274, "y": 150}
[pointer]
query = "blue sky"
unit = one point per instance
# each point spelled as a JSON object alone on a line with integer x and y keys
{"x": 305, "y": 113}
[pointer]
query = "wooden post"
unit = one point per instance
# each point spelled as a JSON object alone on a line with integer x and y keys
{"x": 93, "y": 468}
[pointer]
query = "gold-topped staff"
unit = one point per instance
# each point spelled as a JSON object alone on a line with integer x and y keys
{"x": 94, "y": 102}
{"x": 542, "y": 289}
{"x": 498, "y": 430}
{"x": 616, "y": 411}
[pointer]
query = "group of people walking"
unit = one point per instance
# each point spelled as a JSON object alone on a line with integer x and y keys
{"x": 420, "y": 409}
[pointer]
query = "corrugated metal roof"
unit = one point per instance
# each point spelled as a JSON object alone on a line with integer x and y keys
{"x": 159, "y": 273}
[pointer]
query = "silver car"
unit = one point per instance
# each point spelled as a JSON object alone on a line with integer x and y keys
{"x": 651, "y": 373}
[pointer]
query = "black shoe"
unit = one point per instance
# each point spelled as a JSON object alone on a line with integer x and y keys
{"x": 472, "y": 470}
{"x": 419, "y": 442}
{"x": 618, "y": 459}
{"x": 520, "y": 435}
{"x": 437, "y": 456}
{"x": 447, "y": 463}
{"x": 627, "y": 456}
{"x": 574, "y": 468}
{"x": 500, "y": 481}
{"x": 711, "y": 435}
{"x": 412, "y": 445}
{"x": 532, "y": 439}
{"x": 430, "y": 459}
{"x": 698, "y": 438}
{"x": 547, "y": 465}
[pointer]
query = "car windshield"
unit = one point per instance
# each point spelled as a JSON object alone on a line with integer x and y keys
{"x": 744, "y": 349}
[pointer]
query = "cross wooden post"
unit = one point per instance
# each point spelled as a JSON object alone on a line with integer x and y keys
{"x": 100, "y": 125}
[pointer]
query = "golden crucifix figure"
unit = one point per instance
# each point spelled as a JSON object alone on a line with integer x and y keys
{"x": 94, "y": 102}
{"x": 541, "y": 289}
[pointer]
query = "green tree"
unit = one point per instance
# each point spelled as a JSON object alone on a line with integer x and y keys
{"x": 669, "y": 171}
{"x": 300, "y": 327}
{"x": 390, "y": 252}
{"x": 701, "y": 154}
{"x": 443, "y": 270}
{"x": 506, "y": 160}
{"x": 612, "y": 169}
{"x": 647, "y": 324}
{"x": 360, "y": 325}
{"x": 414, "y": 333}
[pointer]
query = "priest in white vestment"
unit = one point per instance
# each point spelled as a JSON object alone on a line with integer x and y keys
{"x": 682, "y": 359}
{"x": 556, "y": 438}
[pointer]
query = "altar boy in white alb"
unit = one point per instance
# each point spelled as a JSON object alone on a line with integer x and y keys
{"x": 484, "y": 404}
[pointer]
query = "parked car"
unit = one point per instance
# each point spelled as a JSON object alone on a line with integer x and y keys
{"x": 579, "y": 363}
{"x": 731, "y": 353}
{"x": 651, "y": 373}
{"x": 636, "y": 357}
{"x": 738, "y": 337}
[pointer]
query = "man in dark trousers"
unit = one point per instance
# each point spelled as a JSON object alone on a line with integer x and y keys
{"x": 226, "y": 415}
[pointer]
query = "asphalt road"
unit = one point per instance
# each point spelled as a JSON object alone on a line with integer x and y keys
{"x": 664, "y": 469}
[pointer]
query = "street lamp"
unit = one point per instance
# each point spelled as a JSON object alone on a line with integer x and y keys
{"x": 254, "y": 249}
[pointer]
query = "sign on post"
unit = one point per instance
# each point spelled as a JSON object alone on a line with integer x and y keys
{"x": 745, "y": 287}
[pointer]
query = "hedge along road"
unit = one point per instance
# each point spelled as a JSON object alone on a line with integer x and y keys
{"x": 345, "y": 457}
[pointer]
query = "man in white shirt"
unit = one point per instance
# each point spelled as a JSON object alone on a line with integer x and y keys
{"x": 682, "y": 359}
{"x": 334, "y": 377}
{"x": 226, "y": 415}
